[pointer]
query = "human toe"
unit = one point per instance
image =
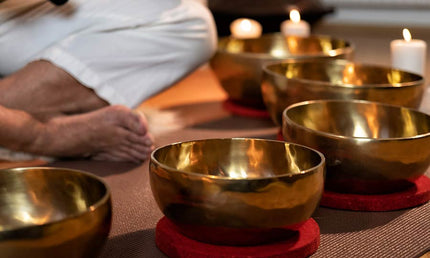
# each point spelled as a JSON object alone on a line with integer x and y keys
{"x": 145, "y": 140}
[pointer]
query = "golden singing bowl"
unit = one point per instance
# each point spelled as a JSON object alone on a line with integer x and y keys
{"x": 370, "y": 147}
{"x": 238, "y": 62}
{"x": 214, "y": 189}
{"x": 52, "y": 212}
{"x": 288, "y": 82}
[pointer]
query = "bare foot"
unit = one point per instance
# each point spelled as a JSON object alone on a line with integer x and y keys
{"x": 113, "y": 133}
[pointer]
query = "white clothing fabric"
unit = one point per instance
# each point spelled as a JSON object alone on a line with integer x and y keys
{"x": 125, "y": 50}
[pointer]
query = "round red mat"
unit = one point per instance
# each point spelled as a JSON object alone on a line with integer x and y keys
{"x": 245, "y": 111}
{"x": 175, "y": 245}
{"x": 279, "y": 136}
{"x": 411, "y": 197}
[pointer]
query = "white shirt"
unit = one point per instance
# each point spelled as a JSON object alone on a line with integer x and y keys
{"x": 125, "y": 50}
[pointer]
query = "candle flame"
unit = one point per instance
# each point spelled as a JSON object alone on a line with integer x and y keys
{"x": 350, "y": 68}
{"x": 407, "y": 35}
{"x": 245, "y": 25}
{"x": 295, "y": 16}
{"x": 245, "y": 28}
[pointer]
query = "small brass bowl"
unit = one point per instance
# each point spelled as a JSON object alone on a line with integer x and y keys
{"x": 236, "y": 191}
{"x": 52, "y": 212}
{"x": 238, "y": 62}
{"x": 370, "y": 147}
{"x": 288, "y": 82}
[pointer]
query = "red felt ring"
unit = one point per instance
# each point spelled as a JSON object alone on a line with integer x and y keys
{"x": 244, "y": 111}
{"x": 416, "y": 195}
{"x": 279, "y": 136}
{"x": 175, "y": 245}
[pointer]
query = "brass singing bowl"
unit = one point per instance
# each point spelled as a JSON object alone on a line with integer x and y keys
{"x": 52, "y": 212}
{"x": 288, "y": 82}
{"x": 370, "y": 147}
{"x": 214, "y": 189}
{"x": 238, "y": 62}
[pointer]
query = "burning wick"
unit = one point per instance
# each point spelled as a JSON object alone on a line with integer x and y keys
{"x": 245, "y": 29}
{"x": 295, "y": 26}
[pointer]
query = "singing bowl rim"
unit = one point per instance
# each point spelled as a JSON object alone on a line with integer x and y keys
{"x": 92, "y": 208}
{"x": 337, "y": 51}
{"x": 343, "y": 62}
{"x": 352, "y": 138}
{"x": 311, "y": 170}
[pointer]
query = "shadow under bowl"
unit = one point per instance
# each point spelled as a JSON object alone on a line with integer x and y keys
{"x": 288, "y": 82}
{"x": 52, "y": 212}
{"x": 236, "y": 191}
{"x": 238, "y": 62}
{"x": 371, "y": 148}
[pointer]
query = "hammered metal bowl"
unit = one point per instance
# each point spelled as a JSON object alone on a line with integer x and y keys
{"x": 236, "y": 191}
{"x": 288, "y": 82}
{"x": 238, "y": 62}
{"x": 370, "y": 147}
{"x": 52, "y": 212}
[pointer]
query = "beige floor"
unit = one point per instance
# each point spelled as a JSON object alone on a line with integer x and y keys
{"x": 200, "y": 86}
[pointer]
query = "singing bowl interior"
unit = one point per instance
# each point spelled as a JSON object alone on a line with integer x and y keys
{"x": 236, "y": 183}
{"x": 288, "y": 82}
{"x": 238, "y": 62}
{"x": 52, "y": 212}
{"x": 366, "y": 144}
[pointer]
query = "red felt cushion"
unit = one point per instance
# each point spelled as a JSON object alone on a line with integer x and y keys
{"x": 175, "y": 245}
{"x": 245, "y": 111}
{"x": 279, "y": 136}
{"x": 416, "y": 195}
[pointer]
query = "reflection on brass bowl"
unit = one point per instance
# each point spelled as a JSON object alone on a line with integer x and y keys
{"x": 238, "y": 62}
{"x": 236, "y": 191}
{"x": 370, "y": 147}
{"x": 52, "y": 212}
{"x": 288, "y": 82}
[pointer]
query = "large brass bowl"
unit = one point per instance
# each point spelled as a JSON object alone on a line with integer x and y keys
{"x": 370, "y": 147}
{"x": 52, "y": 212}
{"x": 238, "y": 62}
{"x": 217, "y": 189}
{"x": 288, "y": 82}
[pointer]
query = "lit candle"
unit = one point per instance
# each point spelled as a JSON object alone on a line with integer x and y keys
{"x": 409, "y": 54}
{"x": 245, "y": 28}
{"x": 295, "y": 26}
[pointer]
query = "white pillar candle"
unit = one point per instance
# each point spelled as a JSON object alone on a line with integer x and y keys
{"x": 245, "y": 28}
{"x": 295, "y": 26}
{"x": 409, "y": 54}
